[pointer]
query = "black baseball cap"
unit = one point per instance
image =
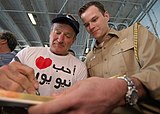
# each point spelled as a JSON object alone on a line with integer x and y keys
{"x": 68, "y": 19}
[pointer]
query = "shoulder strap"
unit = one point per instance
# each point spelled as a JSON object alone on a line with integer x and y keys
{"x": 135, "y": 34}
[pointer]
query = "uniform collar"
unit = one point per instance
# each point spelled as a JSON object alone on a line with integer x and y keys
{"x": 111, "y": 34}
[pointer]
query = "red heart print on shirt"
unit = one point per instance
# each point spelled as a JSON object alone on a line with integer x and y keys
{"x": 42, "y": 63}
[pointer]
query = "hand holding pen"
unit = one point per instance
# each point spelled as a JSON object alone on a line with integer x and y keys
{"x": 17, "y": 59}
{"x": 18, "y": 77}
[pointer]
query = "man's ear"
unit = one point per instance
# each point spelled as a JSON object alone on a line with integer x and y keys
{"x": 107, "y": 16}
{"x": 3, "y": 41}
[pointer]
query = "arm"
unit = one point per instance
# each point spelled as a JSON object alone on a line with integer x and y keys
{"x": 93, "y": 95}
{"x": 148, "y": 50}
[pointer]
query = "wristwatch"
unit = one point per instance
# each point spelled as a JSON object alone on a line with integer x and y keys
{"x": 131, "y": 97}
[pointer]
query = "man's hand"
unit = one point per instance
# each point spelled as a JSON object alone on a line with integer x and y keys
{"x": 90, "y": 96}
{"x": 18, "y": 77}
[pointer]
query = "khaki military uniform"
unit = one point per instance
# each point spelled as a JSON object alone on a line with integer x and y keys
{"x": 117, "y": 57}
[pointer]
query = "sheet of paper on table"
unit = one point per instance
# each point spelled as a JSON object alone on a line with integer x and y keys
{"x": 9, "y": 98}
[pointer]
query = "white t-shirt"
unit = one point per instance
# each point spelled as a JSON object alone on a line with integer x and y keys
{"x": 53, "y": 72}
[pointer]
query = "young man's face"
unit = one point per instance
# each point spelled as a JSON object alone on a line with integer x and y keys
{"x": 62, "y": 36}
{"x": 95, "y": 22}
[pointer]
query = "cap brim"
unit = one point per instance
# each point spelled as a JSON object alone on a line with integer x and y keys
{"x": 67, "y": 21}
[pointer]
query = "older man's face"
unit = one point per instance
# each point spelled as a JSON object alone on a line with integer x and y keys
{"x": 62, "y": 36}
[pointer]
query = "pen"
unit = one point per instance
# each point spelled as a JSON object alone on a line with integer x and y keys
{"x": 17, "y": 59}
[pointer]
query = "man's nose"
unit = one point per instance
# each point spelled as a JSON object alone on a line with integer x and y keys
{"x": 91, "y": 26}
{"x": 61, "y": 38}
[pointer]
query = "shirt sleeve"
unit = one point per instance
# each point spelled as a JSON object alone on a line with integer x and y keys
{"x": 148, "y": 52}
